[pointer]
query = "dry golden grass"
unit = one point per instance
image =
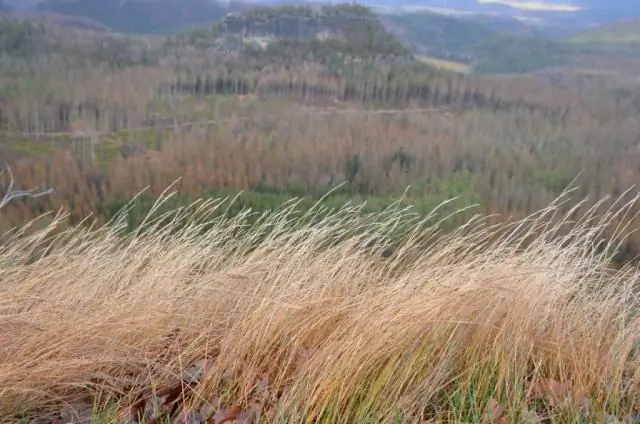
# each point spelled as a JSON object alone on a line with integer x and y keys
{"x": 306, "y": 316}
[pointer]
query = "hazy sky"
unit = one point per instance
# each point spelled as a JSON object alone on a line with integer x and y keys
{"x": 535, "y": 5}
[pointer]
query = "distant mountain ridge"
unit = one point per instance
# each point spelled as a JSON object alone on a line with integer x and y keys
{"x": 559, "y": 18}
{"x": 72, "y": 21}
{"x": 568, "y": 17}
{"x": 20, "y": 5}
{"x": 142, "y": 16}
{"x": 324, "y": 34}
{"x": 157, "y": 16}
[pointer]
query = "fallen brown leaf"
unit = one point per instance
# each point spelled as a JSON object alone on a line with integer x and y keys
{"x": 262, "y": 388}
{"x": 606, "y": 418}
{"x": 196, "y": 372}
{"x": 582, "y": 403}
{"x": 190, "y": 417}
{"x": 80, "y": 412}
{"x": 302, "y": 356}
{"x": 493, "y": 413}
{"x": 230, "y": 415}
{"x": 531, "y": 417}
{"x": 208, "y": 409}
{"x": 130, "y": 415}
{"x": 245, "y": 417}
{"x": 271, "y": 414}
{"x": 170, "y": 395}
{"x": 631, "y": 418}
{"x": 255, "y": 409}
{"x": 153, "y": 409}
{"x": 551, "y": 390}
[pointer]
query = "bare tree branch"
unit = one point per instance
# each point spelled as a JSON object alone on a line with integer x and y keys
{"x": 11, "y": 193}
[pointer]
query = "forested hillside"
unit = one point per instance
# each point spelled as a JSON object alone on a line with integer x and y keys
{"x": 487, "y": 48}
{"x": 141, "y": 16}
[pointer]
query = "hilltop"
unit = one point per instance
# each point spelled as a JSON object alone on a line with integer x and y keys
{"x": 339, "y": 39}
{"x": 349, "y": 29}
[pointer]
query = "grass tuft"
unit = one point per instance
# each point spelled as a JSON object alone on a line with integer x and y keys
{"x": 309, "y": 318}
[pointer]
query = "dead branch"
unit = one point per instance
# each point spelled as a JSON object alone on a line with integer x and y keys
{"x": 11, "y": 193}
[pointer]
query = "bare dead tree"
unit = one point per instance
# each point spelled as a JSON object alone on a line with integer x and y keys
{"x": 11, "y": 193}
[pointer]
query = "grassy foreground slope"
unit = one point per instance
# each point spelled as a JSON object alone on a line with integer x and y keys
{"x": 307, "y": 319}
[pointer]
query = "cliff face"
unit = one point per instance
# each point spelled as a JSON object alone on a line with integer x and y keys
{"x": 324, "y": 32}
{"x": 301, "y": 22}
{"x": 284, "y": 26}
